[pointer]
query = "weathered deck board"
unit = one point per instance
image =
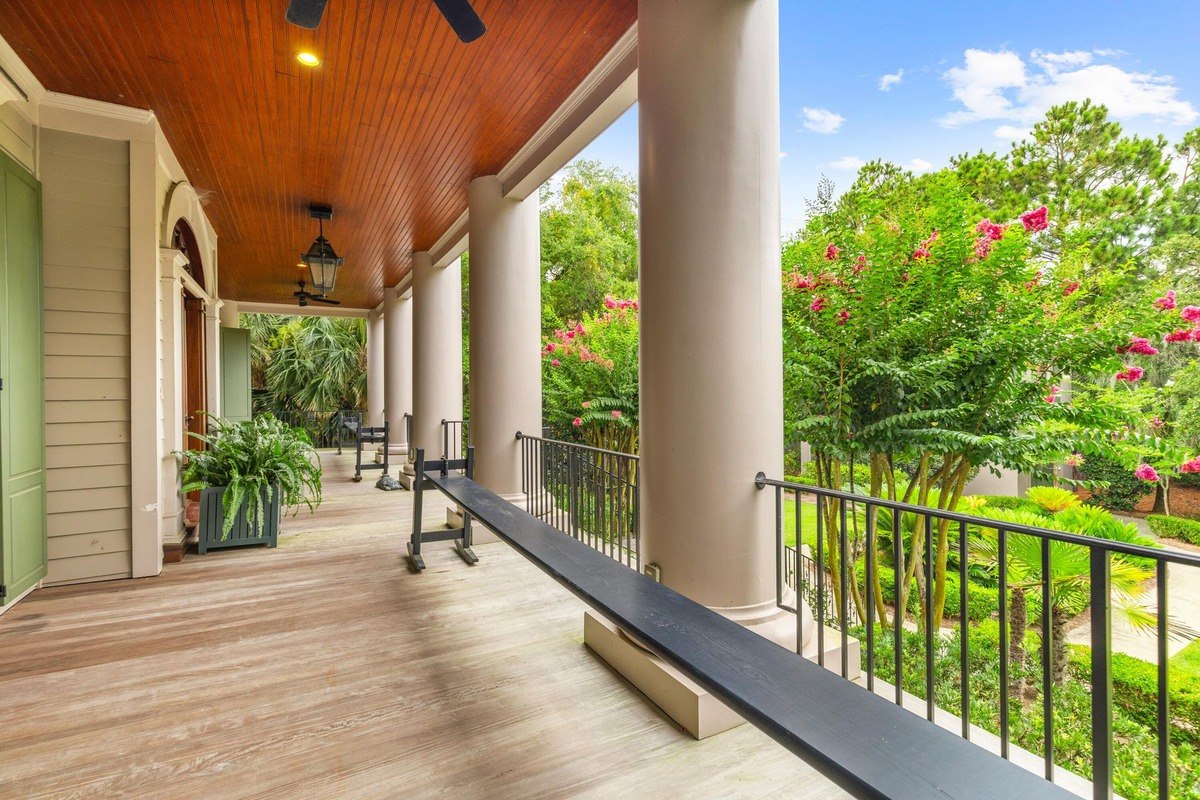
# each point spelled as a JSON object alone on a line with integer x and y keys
{"x": 325, "y": 669}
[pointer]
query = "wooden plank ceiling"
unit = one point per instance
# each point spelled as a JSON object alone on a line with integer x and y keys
{"x": 389, "y": 130}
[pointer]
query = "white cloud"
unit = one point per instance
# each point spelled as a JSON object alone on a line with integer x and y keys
{"x": 848, "y": 163}
{"x": 919, "y": 165}
{"x": 886, "y": 82}
{"x": 1011, "y": 133}
{"x": 1057, "y": 62}
{"x": 1001, "y": 86}
{"x": 821, "y": 120}
{"x": 782, "y": 154}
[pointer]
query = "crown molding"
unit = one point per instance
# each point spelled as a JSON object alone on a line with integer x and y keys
{"x": 452, "y": 244}
{"x": 98, "y": 108}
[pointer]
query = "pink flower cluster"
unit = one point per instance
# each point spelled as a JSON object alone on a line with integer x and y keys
{"x": 1139, "y": 346}
{"x": 1145, "y": 472}
{"x": 569, "y": 343}
{"x": 1035, "y": 220}
{"x": 1191, "y": 467}
{"x": 1131, "y": 374}
{"x": 1188, "y": 313}
{"x": 1053, "y": 396}
{"x": 1070, "y": 288}
{"x": 832, "y": 252}
{"x": 924, "y": 250}
{"x": 613, "y": 304}
{"x": 1075, "y": 460}
{"x": 818, "y": 304}
{"x": 843, "y": 316}
{"x": 860, "y": 265}
{"x": 991, "y": 231}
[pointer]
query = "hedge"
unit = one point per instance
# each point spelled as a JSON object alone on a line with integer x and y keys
{"x": 1135, "y": 690}
{"x": 1187, "y": 530}
{"x": 982, "y": 602}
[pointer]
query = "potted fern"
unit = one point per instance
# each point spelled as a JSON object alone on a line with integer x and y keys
{"x": 247, "y": 474}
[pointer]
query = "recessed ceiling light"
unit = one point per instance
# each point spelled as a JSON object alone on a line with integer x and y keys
{"x": 308, "y": 59}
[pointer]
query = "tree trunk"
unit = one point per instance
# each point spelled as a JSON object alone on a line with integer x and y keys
{"x": 1058, "y": 632}
{"x": 1018, "y": 623}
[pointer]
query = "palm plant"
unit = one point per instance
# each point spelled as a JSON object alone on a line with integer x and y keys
{"x": 319, "y": 364}
{"x": 1070, "y": 573}
{"x": 251, "y": 459}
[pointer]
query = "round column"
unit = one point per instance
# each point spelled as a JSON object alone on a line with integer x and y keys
{"x": 437, "y": 350}
{"x": 398, "y": 365}
{"x": 711, "y": 319}
{"x": 505, "y": 310}
{"x": 375, "y": 369}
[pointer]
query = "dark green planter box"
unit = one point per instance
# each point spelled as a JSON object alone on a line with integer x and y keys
{"x": 212, "y": 520}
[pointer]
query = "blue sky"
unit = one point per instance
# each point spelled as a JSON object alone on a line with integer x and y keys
{"x": 965, "y": 76}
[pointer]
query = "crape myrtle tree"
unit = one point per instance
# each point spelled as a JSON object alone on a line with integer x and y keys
{"x": 920, "y": 333}
{"x": 590, "y": 378}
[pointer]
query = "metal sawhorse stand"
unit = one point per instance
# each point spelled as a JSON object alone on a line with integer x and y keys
{"x": 460, "y": 536}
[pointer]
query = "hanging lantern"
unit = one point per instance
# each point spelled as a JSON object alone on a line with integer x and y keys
{"x": 321, "y": 259}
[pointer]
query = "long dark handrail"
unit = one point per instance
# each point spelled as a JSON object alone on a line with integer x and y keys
{"x": 1171, "y": 556}
{"x": 578, "y": 446}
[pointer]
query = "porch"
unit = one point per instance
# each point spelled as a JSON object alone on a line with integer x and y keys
{"x": 302, "y": 672}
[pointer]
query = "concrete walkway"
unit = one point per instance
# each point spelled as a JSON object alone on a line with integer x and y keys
{"x": 1183, "y": 608}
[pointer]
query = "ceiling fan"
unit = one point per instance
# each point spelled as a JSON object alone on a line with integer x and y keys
{"x": 304, "y": 296}
{"x": 459, "y": 13}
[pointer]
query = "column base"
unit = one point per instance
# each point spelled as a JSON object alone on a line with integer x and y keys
{"x": 690, "y": 705}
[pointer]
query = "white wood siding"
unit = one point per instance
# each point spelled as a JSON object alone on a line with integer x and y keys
{"x": 85, "y": 198}
{"x": 16, "y": 136}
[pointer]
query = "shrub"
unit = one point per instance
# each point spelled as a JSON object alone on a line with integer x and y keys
{"x": 1052, "y": 499}
{"x": 1186, "y": 530}
{"x": 1135, "y": 690}
{"x": 1006, "y": 502}
{"x": 1122, "y": 491}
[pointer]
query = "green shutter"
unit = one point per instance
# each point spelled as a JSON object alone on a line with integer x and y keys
{"x": 235, "y": 374}
{"x": 22, "y": 398}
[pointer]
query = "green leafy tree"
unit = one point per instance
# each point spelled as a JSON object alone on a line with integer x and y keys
{"x": 589, "y": 227}
{"x": 1109, "y": 191}
{"x": 919, "y": 332}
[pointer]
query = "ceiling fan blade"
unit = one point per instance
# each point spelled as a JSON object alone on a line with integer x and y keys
{"x": 462, "y": 17}
{"x": 306, "y": 13}
{"x": 321, "y": 299}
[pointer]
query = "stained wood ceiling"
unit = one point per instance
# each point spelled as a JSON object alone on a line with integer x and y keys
{"x": 389, "y": 129}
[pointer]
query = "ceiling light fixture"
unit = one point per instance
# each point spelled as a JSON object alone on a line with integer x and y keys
{"x": 308, "y": 59}
{"x": 321, "y": 259}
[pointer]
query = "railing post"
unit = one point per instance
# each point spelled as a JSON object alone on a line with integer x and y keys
{"x": 1101, "y": 628}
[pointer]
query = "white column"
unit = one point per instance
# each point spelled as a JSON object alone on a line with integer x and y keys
{"x": 437, "y": 350}
{"x": 398, "y": 365}
{"x": 711, "y": 320}
{"x": 212, "y": 355}
{"x": 505, "y": 308}
{"x": 375, "y": 368}
{"x": 171, "y": 401}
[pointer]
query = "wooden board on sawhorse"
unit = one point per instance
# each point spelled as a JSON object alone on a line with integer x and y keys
{"x": 460, "y": 536}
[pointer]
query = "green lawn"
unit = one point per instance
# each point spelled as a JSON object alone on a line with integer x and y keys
{"x": 808, "y": 523}
{"x": 1187, "y": 660}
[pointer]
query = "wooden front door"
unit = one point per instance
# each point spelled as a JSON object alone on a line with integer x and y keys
{"x": 195, "y": 389}
{"x": 22, "y": 405}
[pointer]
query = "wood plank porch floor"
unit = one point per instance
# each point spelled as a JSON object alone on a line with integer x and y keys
{"x": 323, "y": 669}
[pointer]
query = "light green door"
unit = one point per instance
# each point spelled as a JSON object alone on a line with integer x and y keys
{"x": 22, "y": 429}
{"x": 235, "y": 374}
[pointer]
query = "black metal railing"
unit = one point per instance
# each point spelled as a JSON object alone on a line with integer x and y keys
{"x": 586, "y": 492}
{"x": 873, "y": 529}
{"x": 325, "y": 428}
{"x": 456, "y": 438}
